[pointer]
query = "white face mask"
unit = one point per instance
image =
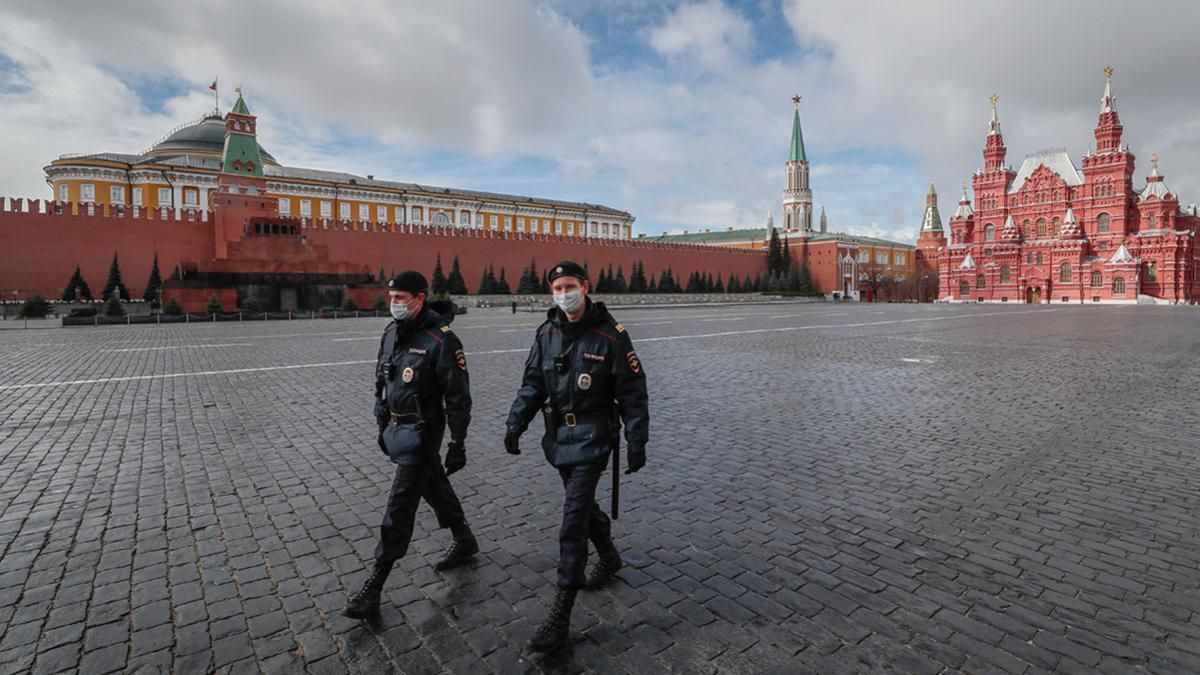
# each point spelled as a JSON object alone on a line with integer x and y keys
{"x": 400, "y": 311}
{"x": 569, "y": 302}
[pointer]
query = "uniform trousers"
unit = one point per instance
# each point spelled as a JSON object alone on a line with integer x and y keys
{"x": 583, "y": 520}
{"x": 426, "y": 480}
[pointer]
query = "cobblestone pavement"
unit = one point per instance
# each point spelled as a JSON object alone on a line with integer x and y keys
{"x": 831, "y": 488}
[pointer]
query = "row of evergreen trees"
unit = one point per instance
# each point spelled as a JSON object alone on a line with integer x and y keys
{"x": 782, "y": 274}
{"x": 78, "y": 289}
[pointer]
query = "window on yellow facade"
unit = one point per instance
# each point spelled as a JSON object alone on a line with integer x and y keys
{"x": 137, "y": 196}
{"x": 439, "y": 218}
{"x": 1064, "y": 273}
{"x": 1005, "y": 274}
{"x": 116, "y": 194}
{"x": 381, "y": 214}
{"x": 64, "y": 193}
{"x": 1119, "y": 286}
{"x": 989, "y": 232}
{"x": 464, "y": 217}
{"x": 898, "y": 260}
{"x": 326, "y": 209}
{"x": 881, "y": 257}
{"x": 980, "y": 282}
{"x": 1097, "y": 280}
{"x": 285, "y": 206}
{"x": 364, "y": 212}
{"x": 1103, "y": 222}
{"x": 87, "y": 192}
{"x": 191, "y": 197}
{"x": 306, "y": 208}
{"x": 864, "y": 257}
{"x": 508, "y": 223}
{"x": 164, "y": 197}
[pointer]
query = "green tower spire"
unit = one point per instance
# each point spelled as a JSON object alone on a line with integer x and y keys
{"x": 797, "y": 137}
{"x": 241, "y": 156}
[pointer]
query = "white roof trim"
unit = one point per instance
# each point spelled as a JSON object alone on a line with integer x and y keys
{"x": 1122, "y": 256}
{"x": 968, "y": 263}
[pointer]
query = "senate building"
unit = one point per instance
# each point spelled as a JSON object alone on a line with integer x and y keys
{"x": 1054, "y": 231}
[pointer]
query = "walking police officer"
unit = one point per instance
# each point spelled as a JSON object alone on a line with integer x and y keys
{"x": 582, "y": 373}
{"x": 421, "y": 386}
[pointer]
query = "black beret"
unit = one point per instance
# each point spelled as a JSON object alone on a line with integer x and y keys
{"x": 568, "y": 268}
{"x": 410, "y": 281}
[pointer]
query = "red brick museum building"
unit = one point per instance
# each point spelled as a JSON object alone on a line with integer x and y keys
{"x": 1052, "y": 232}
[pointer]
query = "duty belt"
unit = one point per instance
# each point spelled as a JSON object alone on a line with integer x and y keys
{"x": 401, "y": 418}
{"x": 572, "y": 419}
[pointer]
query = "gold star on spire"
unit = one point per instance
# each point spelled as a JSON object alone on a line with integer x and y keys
{"x": 796, "y": 101}
{"x": 1154, "y": 161}
{"x": 994, "y": 99}
{"x": 1108, "y": 72}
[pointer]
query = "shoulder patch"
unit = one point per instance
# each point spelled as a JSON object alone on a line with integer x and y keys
{"x": 635, "y": 365}
{"x": 461, "y": 359}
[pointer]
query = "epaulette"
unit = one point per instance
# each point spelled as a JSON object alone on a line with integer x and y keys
{"x": 619, "y": 327}
{"x": 445, "y": 329}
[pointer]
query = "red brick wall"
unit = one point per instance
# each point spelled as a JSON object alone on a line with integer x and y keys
{"x": 40, "y": 251}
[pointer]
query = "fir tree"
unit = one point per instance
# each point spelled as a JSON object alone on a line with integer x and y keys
{"x": 154, "y": 284}
{"x": 694, "y": 285}
{"x": 502, "y": 284}
{"x": 652, "y": 287}
{"x": 250, "y": 305}
{"x": 528, "y": 284}
{"x": 733, "y": 286}
{"x": 664, "y": 285}
{"x": 114, "y": 284}
{"x": 173, "y": 307}
{"x": 719, "y": 286}
{"x": 774, "y": 252}
{"x": 175, "y": 276}
{"x": 381, "y": 277}
{"x": 487, "y": 284}
{"x": 455, "y": 284}
{"x": 112, "y": 307}
{"x": 213, "y": 306}
{"x": 77, "y": 288}
{"x": 792, "y": 282}
{"x": 438, "y": 285}
{"x": 749, "y": 285}
{"x": 785, "y": 259}
{"x": 602, "y": 282}
{"x": 618, "y": 284}
{"x": 805, "y": 284}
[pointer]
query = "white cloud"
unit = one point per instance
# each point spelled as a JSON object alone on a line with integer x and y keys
{"x": 708, "y": 34}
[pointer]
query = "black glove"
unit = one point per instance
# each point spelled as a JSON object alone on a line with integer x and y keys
{"x": 512, "y": 443}
{"x": 635, "y": 457}
{"x": 456, "y": 456}
{"x": 382, "y": 416}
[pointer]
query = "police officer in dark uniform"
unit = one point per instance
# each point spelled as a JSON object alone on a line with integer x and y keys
{"x": 421, "y": 386}
{"x": 582, "y": 374}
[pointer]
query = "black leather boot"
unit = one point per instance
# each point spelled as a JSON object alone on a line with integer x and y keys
{"x": 463, "y": 548}
{"x": 605, "y": 567}
{"x": 366, "y": 602}
{"x": 557, "y": 626}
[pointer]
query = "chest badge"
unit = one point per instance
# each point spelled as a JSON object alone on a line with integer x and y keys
{"x": 584, "y": 381}
{"x": 407, "y": 375}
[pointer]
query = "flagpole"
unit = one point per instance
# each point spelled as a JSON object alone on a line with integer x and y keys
{"x": 216, "y": 95}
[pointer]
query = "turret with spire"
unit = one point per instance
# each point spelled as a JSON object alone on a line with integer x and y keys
{"x": 931, "y": 240}
{"x": 824, "y": 222}
{"x": 994, "y": 150}
{"x": 797, "y": 198}
{"x": 933, "y": 220}
{"x": 1108, "y": 126}
{"x": 241, "y": 197}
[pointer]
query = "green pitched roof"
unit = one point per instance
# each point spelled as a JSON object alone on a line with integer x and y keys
{"x": 797, "y": 140}
{"x": 240, "y": 107}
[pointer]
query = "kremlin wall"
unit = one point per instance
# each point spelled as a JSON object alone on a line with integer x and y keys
{"x": 237, "y": 232}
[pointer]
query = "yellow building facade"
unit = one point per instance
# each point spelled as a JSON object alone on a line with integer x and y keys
{"x": 179, "y": 173}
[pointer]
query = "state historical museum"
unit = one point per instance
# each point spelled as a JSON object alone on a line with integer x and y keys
{"x": 1052, "y": 232}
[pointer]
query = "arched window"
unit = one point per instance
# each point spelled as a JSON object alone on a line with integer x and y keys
{"x": 1151, "y": 271}
{"x": 250, "y": 167}
{"x": 1026, "y": 229}
{"x": 1119, "y": 286}
{"x": 1065, "y": 272}
{"x": 439, "y": 218}
{"x": 1150, "y": 221}
{"x": 1041, "y": 227}
{"x": 237, "y": 165}
{"x": 464, "y": 217}
{"x": 1097, "y": 280}
{"x": 1054, "y": 227}
{"x": 989, "y": 232}
{"x": 1103, "y": 222}
{"x": 980, "y": 282}
{"x": 1005, "y": 274}
{"x": 964, "y": 289}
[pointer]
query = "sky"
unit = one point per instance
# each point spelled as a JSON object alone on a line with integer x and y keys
{"x": 678, "y": 111}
